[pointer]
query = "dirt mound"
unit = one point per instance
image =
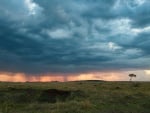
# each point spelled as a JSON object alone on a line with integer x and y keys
{"x": 54, "y": 95}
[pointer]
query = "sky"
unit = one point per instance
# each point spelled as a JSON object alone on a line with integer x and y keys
{"x": 55, "y": 40}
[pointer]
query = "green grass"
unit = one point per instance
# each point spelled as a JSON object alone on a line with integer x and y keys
{"x": 86, "y": 97}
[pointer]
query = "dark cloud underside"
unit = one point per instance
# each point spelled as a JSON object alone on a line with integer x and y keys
{"x": 42, "y": 36}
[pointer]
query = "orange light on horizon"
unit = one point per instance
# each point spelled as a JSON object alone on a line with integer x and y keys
{"x": 20, "y": 77}
{"x": 14, "y": 78}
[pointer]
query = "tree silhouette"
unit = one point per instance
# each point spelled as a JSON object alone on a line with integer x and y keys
{"x": 131, "y": 76}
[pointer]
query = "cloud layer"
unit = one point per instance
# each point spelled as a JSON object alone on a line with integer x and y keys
{"x": 75, "y": 36}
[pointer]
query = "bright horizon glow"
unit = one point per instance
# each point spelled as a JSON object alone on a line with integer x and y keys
{"x": 147, "y": 72}
{"x": 142, "y": 75}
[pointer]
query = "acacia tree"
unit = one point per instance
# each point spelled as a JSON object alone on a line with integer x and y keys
{"x": 131, "y": 76}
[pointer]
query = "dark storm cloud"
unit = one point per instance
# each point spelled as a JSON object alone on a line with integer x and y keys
{"x": 42, "y": 36}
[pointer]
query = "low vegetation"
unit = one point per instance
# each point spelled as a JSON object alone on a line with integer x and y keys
{"x": 76, "y": 97}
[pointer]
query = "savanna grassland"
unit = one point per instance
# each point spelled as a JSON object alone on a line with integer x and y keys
{"x": 75, "y": 97}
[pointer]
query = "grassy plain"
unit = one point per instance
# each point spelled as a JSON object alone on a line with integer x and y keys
{"x": 83, "y": 97}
